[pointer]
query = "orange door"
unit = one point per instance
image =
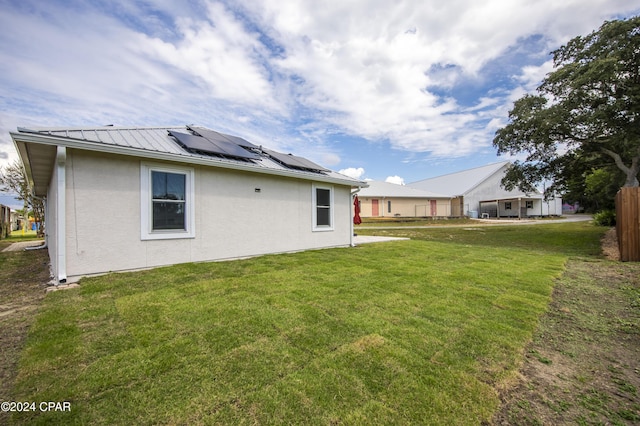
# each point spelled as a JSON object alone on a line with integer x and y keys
{"x": 375, "y": 209}
{"x": 434, "y": 208}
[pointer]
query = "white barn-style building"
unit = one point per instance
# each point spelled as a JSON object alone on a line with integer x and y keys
{"x": 477, "y": 192}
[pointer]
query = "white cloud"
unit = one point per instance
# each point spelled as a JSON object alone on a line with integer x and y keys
{"x": 288, "y": 74}
{"x": 230, "y": 62}
{"x": 353, "y": 172}
{"x": 371, "y": 77}
{"x": 531, "y": 76}
{"x": 395, "y": 179}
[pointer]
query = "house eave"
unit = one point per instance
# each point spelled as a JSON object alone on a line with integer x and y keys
{"x": 31, "y": 138}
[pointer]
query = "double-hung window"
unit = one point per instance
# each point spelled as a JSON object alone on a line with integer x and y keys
{"x": 322, "y": 208}
{"x": 167, "y": 204}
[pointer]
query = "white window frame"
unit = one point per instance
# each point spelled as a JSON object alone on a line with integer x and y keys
{"x": 314, "y": 203}
{"x": 146, "y": 203}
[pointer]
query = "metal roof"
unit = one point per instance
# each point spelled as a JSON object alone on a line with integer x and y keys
{"x": 37, "y": 149}
{"x": 459, "y": 183}
{"x": 392, "y": 190}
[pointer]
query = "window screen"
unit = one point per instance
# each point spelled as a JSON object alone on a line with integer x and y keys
{"x": 168, "y": 200}
{"x": 323, "y": 207}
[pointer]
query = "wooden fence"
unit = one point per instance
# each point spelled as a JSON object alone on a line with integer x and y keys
{"x": 628, "y": 223}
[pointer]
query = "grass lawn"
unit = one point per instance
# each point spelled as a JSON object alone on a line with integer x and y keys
{"x": 412, "y": 221}
{"x": 22, "y": 278}
{"x": 420, "y": 331}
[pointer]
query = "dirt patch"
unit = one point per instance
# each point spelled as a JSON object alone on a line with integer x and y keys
{"x": 610, "y": 247}
{"x": 23, "y": 278}
{"x": 582, "y": 365}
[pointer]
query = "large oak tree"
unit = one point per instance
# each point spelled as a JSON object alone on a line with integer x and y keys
{"x": 586, "y": 111}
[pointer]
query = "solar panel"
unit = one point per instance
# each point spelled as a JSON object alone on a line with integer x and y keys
{"x": 295, "y": 161}
{"x": 212, "y": 146}
{"x": 215, "y": 136}
{"x": 193, "y": 142}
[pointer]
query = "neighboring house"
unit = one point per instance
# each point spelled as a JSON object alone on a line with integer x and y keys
{"x": 16, "y": 221}
{"x": 122, "y": 199}
{"x": 384, "y": 199}
{"x": 478, "y": 192}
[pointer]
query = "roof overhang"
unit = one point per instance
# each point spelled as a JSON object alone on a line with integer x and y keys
{"x": 409, "y": 197}
{"x": 515, "y": 198}
{"x": 38, "y": 153}
{"x": 38, "y": 161}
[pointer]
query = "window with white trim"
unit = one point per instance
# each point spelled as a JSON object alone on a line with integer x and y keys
{"x": 322, "y": 208}
{"x": 167, "y": 202}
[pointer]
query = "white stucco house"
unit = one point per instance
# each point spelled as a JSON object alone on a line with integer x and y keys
{"x": 477, "y": 192}
{"x": 384, "y": 199}
{"x": 122, "y": 198}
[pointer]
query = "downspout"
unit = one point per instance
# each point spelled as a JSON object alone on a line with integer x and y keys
{"x": 353, "y": 195}
{"x": 61, "y": 217}
{"x": 40, "y": 247}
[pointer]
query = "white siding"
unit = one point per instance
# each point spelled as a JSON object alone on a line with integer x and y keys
{"x": 488, "y": 189}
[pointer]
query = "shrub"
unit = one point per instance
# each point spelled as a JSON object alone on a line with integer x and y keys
{"x": 605, "y": 218}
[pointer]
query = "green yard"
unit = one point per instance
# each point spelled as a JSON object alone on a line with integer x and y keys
{"x": 420, "y": 331}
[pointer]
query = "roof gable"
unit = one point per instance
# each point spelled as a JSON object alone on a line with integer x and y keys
{"x": 460, "y": 183}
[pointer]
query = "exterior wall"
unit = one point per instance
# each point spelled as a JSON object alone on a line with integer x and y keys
{"x": 491, "y": 189}
{"x": 539, "y": 208}
{"x": 366, "y": 206}
{"x": 503, "y": 211}
{"x": 543, "y": 208}
{"x": 488, "y": 189}
{"x": 404, "y": 207}
{"x": 232, "y": 219}
{"x": 457, "y": 207}
{"x": 552, "y": 207}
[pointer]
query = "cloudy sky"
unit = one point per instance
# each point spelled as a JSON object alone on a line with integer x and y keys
{"x": 379, "y": 89}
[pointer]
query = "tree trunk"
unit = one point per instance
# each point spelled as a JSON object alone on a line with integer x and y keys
{"x": 631, "y": 172}
{"x": 632, "y": 179}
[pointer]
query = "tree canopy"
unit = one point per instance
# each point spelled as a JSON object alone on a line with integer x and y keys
{"x": 584, "y": 116}
{"x": 14, "y": 181}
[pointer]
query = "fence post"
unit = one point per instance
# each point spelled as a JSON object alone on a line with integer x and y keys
{"x": 628, "y": 223}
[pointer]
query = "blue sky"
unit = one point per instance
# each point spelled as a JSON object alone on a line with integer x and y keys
{"x": 377, "y": 89}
